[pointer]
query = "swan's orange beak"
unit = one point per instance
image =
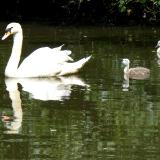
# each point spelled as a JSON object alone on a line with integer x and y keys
{"x": 7, "y": 34}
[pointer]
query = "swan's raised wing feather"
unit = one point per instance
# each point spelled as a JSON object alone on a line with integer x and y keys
{"x": 58, "y": 48}
{"x": 45, "y": 53}
{"x": 45, "y": 61}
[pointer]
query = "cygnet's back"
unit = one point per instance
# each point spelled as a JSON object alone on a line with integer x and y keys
{"x": 139, "y": 73}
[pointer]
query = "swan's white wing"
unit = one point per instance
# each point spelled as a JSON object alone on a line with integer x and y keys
{"x": 43, "y": 62}
{"x": 44, "y": 53}
{"x": 44, "y": 50}
{"x": 62, "y": 56}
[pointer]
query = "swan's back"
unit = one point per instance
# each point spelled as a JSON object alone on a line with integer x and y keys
{"x": 47, "y": 54}
{"x": 44, "y": 62}
{"x": 139, "y": 73}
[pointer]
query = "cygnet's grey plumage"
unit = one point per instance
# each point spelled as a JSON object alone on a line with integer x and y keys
{"x": 135, "y": 73}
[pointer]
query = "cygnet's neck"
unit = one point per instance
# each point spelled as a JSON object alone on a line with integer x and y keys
{"x": 126, "y": 69}
{"x": 158, "y": 52}
{"x": 12, "y": 65}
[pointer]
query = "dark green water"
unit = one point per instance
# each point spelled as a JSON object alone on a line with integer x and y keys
{"x": 90, "y": 115}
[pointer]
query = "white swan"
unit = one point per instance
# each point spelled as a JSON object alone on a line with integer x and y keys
{"x": 43, "y": 62}
{"x": 134, "y": 73}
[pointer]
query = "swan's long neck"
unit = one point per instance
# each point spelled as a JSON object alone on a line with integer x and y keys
{"x": 126, "y": 69}
{"x": 12, "y": 65}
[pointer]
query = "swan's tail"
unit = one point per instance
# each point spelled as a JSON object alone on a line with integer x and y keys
{"x": 70, "y": 68}
{"x": 82, "y": 62}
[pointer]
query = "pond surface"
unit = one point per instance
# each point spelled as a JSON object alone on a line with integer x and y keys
{"x": 95, "y": 114}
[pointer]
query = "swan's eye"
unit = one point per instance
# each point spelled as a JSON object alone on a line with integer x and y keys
{"x": 9, "y": 29}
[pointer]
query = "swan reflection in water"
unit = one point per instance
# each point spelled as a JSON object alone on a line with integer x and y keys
{"x": 39, "y": 88}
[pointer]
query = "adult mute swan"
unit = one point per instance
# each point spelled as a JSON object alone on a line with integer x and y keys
{"x": 43, "y": 62}
{"x": 134, "y": 73}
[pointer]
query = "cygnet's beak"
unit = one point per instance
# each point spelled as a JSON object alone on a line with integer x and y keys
{"x": 7, "y": 34}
